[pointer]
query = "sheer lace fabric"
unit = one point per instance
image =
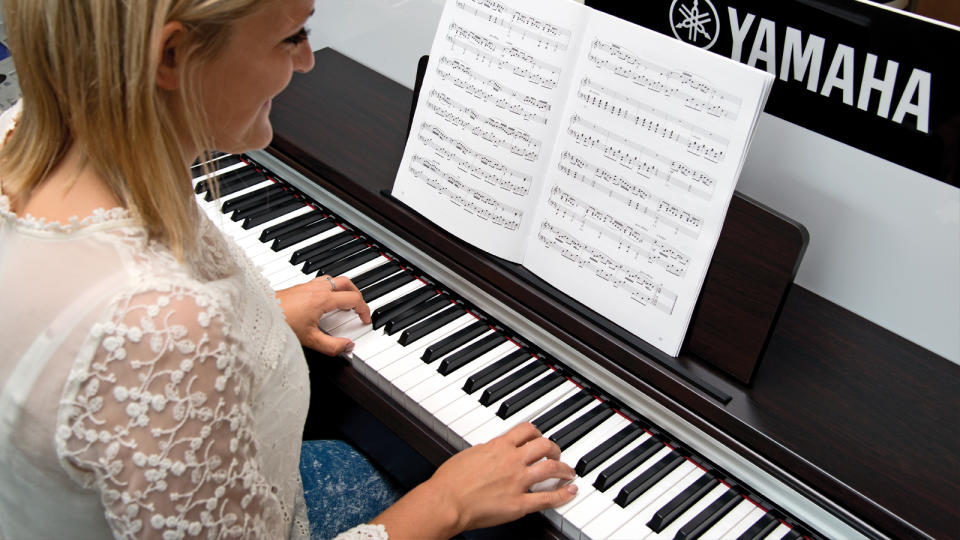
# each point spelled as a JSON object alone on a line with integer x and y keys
{"x": 142, "y": 397}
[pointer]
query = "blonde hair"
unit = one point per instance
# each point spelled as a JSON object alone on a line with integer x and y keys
{"x": 87, "y": 74}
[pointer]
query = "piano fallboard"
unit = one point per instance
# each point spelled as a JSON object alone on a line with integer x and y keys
{"x": 842, "y": 412}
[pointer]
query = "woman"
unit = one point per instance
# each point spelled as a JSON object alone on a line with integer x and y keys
{"x": 151, "y": 384}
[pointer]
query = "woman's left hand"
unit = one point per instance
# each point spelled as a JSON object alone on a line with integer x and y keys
{"x": 304, "y": 304}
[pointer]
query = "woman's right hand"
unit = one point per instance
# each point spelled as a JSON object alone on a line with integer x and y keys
{"x": 483, "y": 486}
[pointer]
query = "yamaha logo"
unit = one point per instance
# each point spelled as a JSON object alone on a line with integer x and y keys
{"x": 695, "y": 22}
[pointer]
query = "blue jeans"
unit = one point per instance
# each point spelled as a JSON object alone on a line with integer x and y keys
{"x": 341, "y": 487}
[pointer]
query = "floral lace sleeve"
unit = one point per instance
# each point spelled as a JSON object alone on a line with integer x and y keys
{"x": 160, "y": 424}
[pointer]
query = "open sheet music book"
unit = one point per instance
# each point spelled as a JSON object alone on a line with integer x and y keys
{"x": 598, "y": 154}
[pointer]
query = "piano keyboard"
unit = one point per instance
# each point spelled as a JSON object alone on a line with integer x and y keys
{"x": 471, "y": 378}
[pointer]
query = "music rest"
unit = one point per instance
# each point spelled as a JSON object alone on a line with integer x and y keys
{"x": 757, "y": 257}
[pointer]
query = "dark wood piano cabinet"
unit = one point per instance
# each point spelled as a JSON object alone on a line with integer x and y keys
{"x": 864, "y": 418}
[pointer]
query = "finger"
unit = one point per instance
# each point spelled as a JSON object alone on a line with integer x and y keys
{"x": 540, "y": 448}
{"x": 329, "y": 345}
{"x": 521, "y": 434}
{"x": 352, "y": 300}
{"x": 550, "y": 468}
{"x": 534, "y": 502}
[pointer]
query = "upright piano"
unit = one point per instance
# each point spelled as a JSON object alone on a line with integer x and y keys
{"x": 846, "y": 430}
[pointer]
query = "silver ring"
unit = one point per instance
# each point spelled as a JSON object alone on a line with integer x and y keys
{"x": 333, "y": 284}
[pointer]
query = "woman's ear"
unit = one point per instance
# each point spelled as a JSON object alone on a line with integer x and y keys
{"x": 170, "y": 65}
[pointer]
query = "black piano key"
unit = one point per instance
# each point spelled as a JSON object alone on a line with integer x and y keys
{"x": 296, "y": 236}
{"x": 382, "y": 314}
{"x": 454, "y": 340}
{"x": 495, "y": 370}
{"x": 376, "y": 274}
{"x": 506, "y": 386}
{"x": 263, "y": 207}
{"x": 349, "y": 263}
{"x": 291, "y": 224}
{"x": 633, "y": 459}
{"x": 764, "y": 526}
{"x": 536, "y": 391}
{"x": 682, "y": 502}
{"x": 430, "y": 324}
{"x": 254, "y": 198}
{"x": 274, "y": 213}
{"x": 557, "y": 414}
{"x": 592, "y": 459}
{"x": 230, "y": 184}
{"x": 709, "y": 516}
{"x": 572, "y": 433}
{"x": 418, "y": 313}
{"x": 648, "y": 478}
{"x": 320, "y": 246}
{"x": 383, "y": 287}
{"x": 316, "y": 262}
{"x": 469, "y": 353}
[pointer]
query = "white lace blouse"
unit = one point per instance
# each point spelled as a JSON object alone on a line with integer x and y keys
{"x": 140, "y": 396}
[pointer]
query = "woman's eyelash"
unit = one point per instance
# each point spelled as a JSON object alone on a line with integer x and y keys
{"x": 299, "y": 37}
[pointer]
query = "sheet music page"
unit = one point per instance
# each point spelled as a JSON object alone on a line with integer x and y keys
{"x": 653, "y": 139}
{"x": 488, "y": 112}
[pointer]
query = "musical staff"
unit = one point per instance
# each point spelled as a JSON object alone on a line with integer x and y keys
{"x": 494, "y": 131}
{"x": 525, "y": 106}
{"x": 472, "y": 201}
{"x": 693, "y": 138}
{"x": 639, "y": 286}
{"x": 693, "y": 92}
{"x": 640, "y": 159}
{"x": 528, "y": 27}
{"x": 631, "y": 242}
{"x": 474, "y": 163}
{"x": 504, "y": 57}
{"x": 642, "y": 203}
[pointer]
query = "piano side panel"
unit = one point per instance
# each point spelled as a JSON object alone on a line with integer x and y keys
{"x": 861, "y": 415}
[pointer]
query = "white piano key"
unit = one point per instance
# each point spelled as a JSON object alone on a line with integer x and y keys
{"x": 614, "y": 516}
{"x": 740, "y": 518}
{"x": 778, "y": 533}
{"x": 576, "y": 518}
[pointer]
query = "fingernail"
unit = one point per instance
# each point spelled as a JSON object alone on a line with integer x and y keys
{"x": 572, "y": 489}
{"x": 348, "y": 348}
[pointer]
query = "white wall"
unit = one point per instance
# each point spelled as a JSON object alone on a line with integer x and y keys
{"x": 884, "y": 240}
